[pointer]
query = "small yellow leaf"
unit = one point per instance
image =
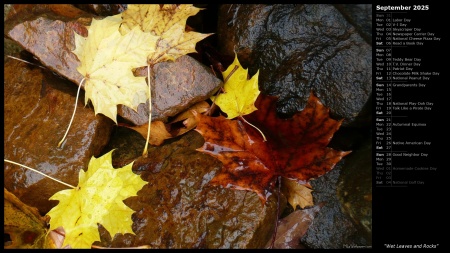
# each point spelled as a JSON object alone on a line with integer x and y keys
{"x": 239, "y": 94}
{"x": 168, "y": 23}
{"x": 297, "y": 194}
{"x": 98, "y": 198}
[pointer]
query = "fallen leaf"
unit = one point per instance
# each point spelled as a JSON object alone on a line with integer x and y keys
{"x": 188, "y": 118}
{"x": 240, "y": 93}
{"x": 25, "y": 227}
{"x": 168, "y": 23}
{"x": 301, "y": 141}
{"x": 297, "y": 194}
{"x": 159, "y": 131}
{"x": 247, "y": 163}
{"x": 57, "y": 236}
{"x": 162, "y": 131}
{"x": 106, "y": 62}
{"x": 296, "y": 148}
{"x": 293, "y": 227}
{"x": 98, "y": 198}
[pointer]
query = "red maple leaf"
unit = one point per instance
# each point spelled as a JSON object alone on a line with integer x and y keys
{"x": 296, "y": 148}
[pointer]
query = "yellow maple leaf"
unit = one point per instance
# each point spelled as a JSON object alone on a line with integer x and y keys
{"x": 168, "y": 23}
{"x": 240, "y": 93}
{"x": 106, "y": 61}
{"x": 297, "y": 194}
{"x": 98, "y": 198}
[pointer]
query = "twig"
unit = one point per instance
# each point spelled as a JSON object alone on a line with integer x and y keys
{"x": 15, "y": 58}
{"x": 73, "y": 114}
{"x": 61, "y": 182}
{"x": 145, "y": 152}
{"x": 264, "y": 137}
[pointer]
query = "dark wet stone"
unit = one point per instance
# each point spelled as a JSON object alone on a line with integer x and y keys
{"x": 355, "y": 189}
{"x": 242, "y": 26}
{"x": 349, "y": 138}
{"x": 331, "y": 229}
{"x": 37, "y": 109}
{"x": 102, "y": 9}
{"x": 299, "y": 48}
{"x": 360, "y": 16}
{"x": 47, "y": 32}
{"x": 176, "y": 86}
{"x": 128, "y": 145}
{"x": 179, "y": 209}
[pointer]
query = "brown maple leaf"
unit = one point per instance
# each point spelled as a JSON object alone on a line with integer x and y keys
{"x": 296, "y": 148}
{"x": 181, "y": 124}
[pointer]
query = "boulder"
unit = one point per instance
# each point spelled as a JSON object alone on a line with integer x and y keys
{"x": 47, "y": 31}
{"x": 37, "y": 109}
{"x": 179, "y": 209}
{"x": 299, "y": 48}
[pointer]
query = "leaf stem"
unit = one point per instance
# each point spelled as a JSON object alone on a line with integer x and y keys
{"x": 73, "y": 114}
{"x": 61, "y": 182}
{"x": 145, "y": 152}
{"x": 264, "y": 137}
{"x": 213, "y": 105}
{"x": 231, "y": 73}
{"x": 15, "y": 58}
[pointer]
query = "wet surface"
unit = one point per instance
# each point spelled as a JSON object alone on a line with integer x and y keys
{"x": 176, "y": 86}
{"x": 332, "y": 228}
{"x": 47, "y": 31}
{"x": 299, "y": 48}
{"x": 179, "y": 209}
{"x": 354, "y": 189}
{"x": 38, "y": 108}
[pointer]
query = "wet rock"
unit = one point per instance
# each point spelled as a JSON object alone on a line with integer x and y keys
{"x": 9, "y": 46}
{"x": 355, "y": 189}
{"x": 37, "y": 109}
{"x": 128, "y": 145}
{"x": 179, "y": 209}
{"x": 292, "y": 227}
{"x": 360, "y": 16}
{"x": 47, "y": 31}
{"x": 349, "y": 138}
{"x": 176, "y": 86}
{"x": 102, "y": 9}
{"x": 331, "y": 228}
{"x": 299, "y": 48}
{"x": 240, "y": 27}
